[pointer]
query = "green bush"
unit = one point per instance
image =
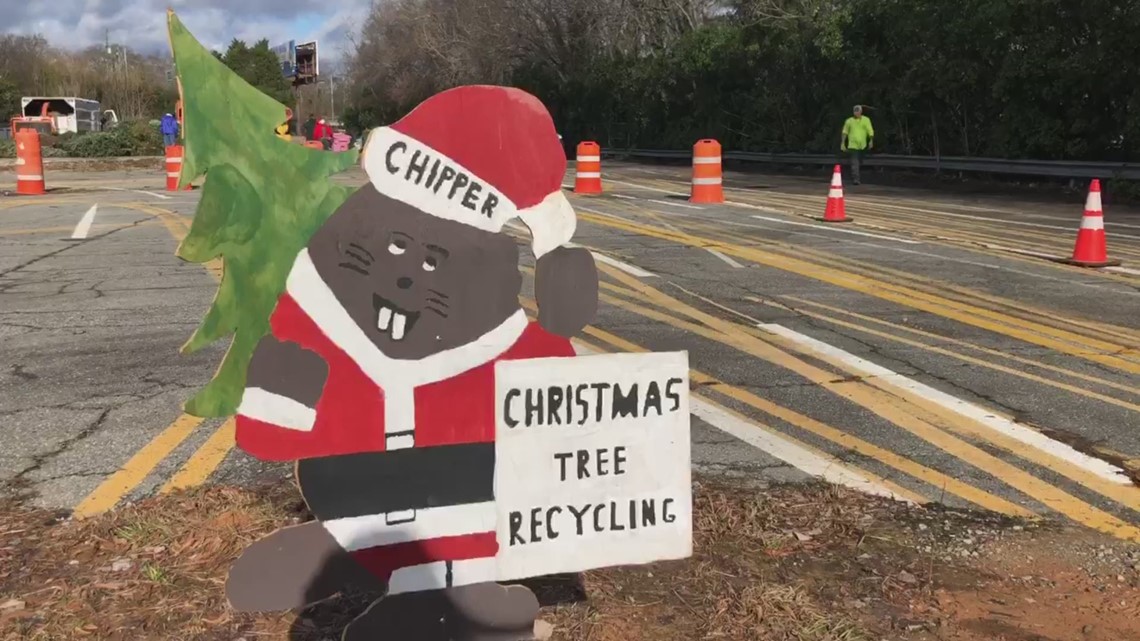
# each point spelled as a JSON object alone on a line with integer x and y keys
{"x": 132, "y": 138}
{"x": 101, "y": 144}
{"x": 143, "y": 137}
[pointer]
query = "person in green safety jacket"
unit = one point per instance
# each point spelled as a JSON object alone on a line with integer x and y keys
{"x": 858, "y": 136}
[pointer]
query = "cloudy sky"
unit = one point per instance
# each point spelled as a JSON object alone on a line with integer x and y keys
{"x": 140, "y": 24}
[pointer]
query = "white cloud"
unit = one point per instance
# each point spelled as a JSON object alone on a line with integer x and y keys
{"x": 141, "y": 24}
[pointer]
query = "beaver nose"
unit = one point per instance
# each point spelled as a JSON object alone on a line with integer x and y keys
{"x": 403, "y": 282}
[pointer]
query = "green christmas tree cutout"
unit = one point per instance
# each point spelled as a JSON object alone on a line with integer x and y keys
{"x": 262, "y": 199}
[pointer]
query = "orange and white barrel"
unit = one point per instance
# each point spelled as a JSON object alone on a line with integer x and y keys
{"x": 29, "y": 163}
{"x": 588, "y": 168}
{"x": 173, "y": 166}
{"x": 708, "y": 182}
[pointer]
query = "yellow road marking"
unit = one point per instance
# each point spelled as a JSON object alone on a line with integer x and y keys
{"x": 939, "y": 337}
{"x": 69, "y": 228}
{"x": 795, "y": 418}
{"x": 814, "y": 208}
{"x": 204, "y": 461}
{"x": 33, "y": 202}
{"x": 953, "y": 291}
{"x": 1053, "y": 338}
{"x": 899, "y": 491}
{"x": 937, "y": 414}
{"x": 887, "y": 406}
{"x": 886, "y": 457}
{"x": 134, "y": 471}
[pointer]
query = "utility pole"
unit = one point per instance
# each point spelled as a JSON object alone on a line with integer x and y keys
{"x": 332, "y": 97}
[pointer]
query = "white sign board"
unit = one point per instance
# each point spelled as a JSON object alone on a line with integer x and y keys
{"x": 592, "y": 462}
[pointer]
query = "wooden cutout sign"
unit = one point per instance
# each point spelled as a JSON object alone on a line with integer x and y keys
{"x": 393, "y": 363}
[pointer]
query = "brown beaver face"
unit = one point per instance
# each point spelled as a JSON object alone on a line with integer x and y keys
{"x": 415, "y": 284}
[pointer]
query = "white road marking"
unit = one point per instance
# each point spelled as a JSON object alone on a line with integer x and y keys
{"x": 727, "y": 259}
{"x": 1122, "y": 270}
{"x": 969, "y": 410}
{"x": 838, "y": 229}
{"x": 632, "y": 270}
{"x": 140, "y": 191}
{"x": 84, "y": 225}
{"x": 666, "y": 202}
{"x": 648, "y": 188}
{"x": 624, "y": 196}
{"x": 773, "y": 443}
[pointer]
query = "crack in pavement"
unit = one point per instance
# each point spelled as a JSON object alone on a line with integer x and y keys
{"x": 20, "y": 479}
{"x": 69, "y": 247}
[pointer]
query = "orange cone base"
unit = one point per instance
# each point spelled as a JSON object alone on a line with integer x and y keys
{"x": 707, "y": 200}
{"x": 1110, "y": 262}
{"x": 588, "y": 189}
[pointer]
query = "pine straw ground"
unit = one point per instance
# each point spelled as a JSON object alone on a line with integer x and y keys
{"x": 802, "y": 563}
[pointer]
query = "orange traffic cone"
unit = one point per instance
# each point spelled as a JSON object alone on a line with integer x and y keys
{"x": 1091, "y": 249}
{"x": 835, "y": 212}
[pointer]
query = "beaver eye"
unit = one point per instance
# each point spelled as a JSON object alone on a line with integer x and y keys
{"x": 397, "y": 247}
{"x": 430, "y": 264}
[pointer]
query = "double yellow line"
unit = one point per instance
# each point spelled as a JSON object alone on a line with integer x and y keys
{"x": 1060, "y": 340}
{"x": 205, "y": 459}
{"x": 927, "y": 421}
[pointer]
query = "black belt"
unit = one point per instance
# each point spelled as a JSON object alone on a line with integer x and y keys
{"x": 337, "y": 487}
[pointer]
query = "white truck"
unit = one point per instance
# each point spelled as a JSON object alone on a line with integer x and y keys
{"x": 68, "y": 114}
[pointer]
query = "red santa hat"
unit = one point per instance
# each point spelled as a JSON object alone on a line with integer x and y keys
{"x": 478, "y": 155}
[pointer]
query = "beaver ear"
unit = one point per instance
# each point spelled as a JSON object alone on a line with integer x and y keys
{"x": 566, "y": 287}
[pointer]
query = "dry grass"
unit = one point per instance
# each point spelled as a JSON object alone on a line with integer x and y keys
{"x": 154, "y": 570}
{"x": 795, "y": 563}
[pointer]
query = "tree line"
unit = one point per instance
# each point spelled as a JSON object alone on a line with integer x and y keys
{"x": 134, "y": 85}
{"x": 137, "y": 86}
{"x": 1046, "y": 79}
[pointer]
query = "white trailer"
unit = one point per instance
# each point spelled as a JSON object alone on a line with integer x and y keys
{"x": 68, "y": 114}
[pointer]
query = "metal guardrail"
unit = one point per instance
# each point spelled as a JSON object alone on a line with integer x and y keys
{"x": 1050, "y": 168}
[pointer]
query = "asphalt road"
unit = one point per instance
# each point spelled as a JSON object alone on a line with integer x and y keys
{"x": 926, "y": 350}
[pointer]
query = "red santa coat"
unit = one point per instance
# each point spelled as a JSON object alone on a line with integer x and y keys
{"x": 426, "y": 410}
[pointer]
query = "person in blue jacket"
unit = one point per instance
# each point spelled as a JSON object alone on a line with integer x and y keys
{"x": 169, "y": 128}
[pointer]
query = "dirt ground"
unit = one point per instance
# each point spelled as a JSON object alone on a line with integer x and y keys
{"x": 802, "y": 563}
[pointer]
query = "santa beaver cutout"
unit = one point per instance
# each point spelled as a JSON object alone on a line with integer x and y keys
{"x": 378, "y": 375}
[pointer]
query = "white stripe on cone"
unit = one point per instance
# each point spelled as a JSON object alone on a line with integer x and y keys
{"x": 30, "y": 177}
{"x": 1093, "y": 203}
{"x": 1092, "y": 221}
{"x": 589, "y": 174}
{"x": 835, "y": 193}
{"x": 836, "y": 180}
{"x": 706, "y": 181}
{"x": 706, "y": 160}
{"x": 589, "y": 158}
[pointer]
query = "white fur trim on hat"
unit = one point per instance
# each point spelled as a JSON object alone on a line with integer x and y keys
{"x": 551, "y": 223}
{"x": 404, "y": 168}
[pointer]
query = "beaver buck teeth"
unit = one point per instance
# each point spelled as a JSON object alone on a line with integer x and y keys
{"x": 395, "y": 320}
